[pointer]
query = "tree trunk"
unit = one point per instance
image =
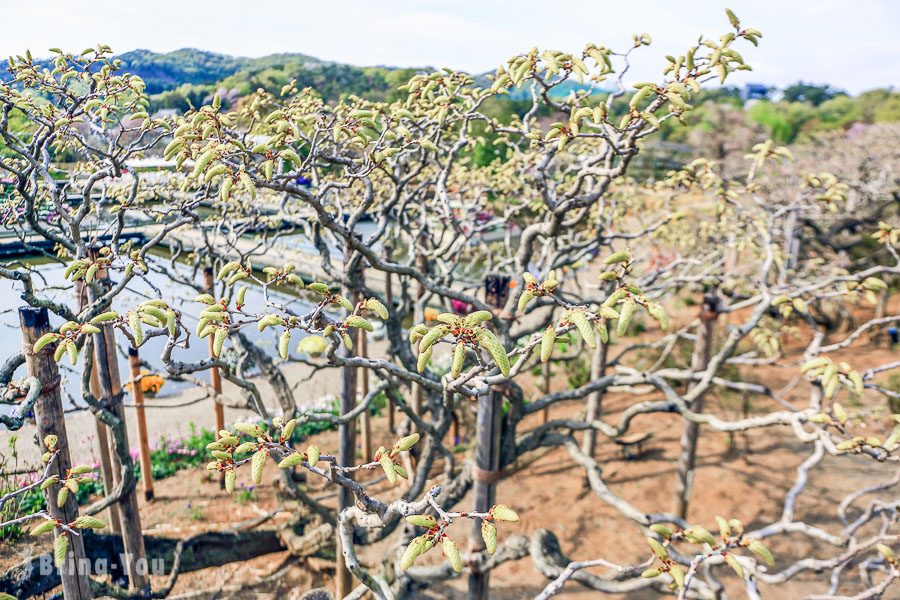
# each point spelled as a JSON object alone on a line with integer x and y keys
{"x": 699, "y": 361}
{"x": 546, "y": 374}
{"x": 346, "y": 457}
{"x": 592, "y": 410}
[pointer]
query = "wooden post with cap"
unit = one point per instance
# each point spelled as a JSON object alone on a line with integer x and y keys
{"x": 50, "y": 420}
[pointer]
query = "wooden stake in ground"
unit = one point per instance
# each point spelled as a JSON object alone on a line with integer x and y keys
{"x": 485, "y": 474}
{"x": 365, "y": 420}
{"x": 106, "y": 471}
{"x": 111, "y": 397}
{"x": 49, "y": 417}
{"x": 346, "y": 457}
{"x": 486, "y": 471}
{"x": 138, "y": 392}
{"x": 419, "y": 317}
{"x": 684, "y": 475}
{"x": 215, "y": 377}
{"x": 389, "y": 302}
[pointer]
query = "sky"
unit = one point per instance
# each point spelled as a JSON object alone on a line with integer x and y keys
{"x": 851, "y": 44}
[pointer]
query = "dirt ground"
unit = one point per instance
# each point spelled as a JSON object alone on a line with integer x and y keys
{"x": 746, "y": 477}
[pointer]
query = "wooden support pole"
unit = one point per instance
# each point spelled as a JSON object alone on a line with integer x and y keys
{"x": 453, "y": 407}
{"x": 684, "y": 473}
{"x": 106, "y": 469}
{"x": 485, "y": 475}
{"x": 106, "y": 472}
{"x": 215, "y": 377}
{"x": 138, "y": 392}
{"x": 389, "y": 301}
{"x": 488, "y": 429}
{"x": 111, "y": 396}
{"x": 50, "y": 419}
{"x": 419, "y": 317}
{"x": 346, "y": 457}
{"x": 592, "y": 410}
{"x": 365, "y": 417}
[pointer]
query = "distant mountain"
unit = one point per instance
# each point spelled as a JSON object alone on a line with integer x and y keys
{"x": 167, "y": 71}
{"x": 193, "y": 75}
{"x": 188, "y": 76}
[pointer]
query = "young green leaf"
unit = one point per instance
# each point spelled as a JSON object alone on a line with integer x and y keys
{"x": 451, "y": 552}
{"x": 257, "y": 464}
{"x": 489, "y": 535}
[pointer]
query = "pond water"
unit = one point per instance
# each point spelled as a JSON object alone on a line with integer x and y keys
{"x": 177, "y": 295}
{"x": 48, "y": 278}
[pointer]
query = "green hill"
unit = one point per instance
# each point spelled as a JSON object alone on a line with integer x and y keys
{"x": 167, "y": 71}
